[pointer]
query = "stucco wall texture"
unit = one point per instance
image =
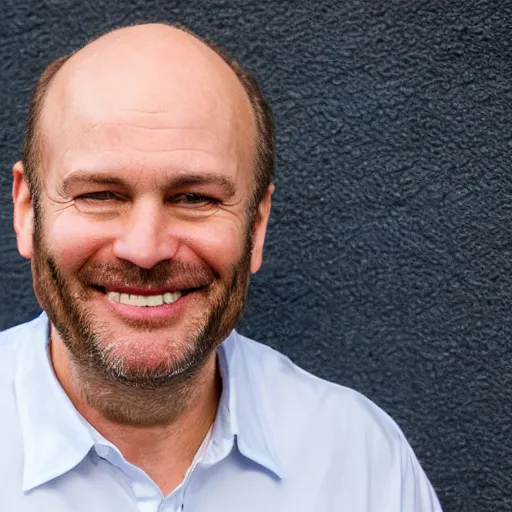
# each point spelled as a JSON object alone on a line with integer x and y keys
{"x": 389, "y": 256}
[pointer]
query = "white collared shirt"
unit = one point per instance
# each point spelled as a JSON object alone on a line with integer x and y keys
{"x": 283, "y": 440}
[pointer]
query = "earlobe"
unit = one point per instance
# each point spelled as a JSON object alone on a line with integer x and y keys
{"x": 23, "y": 215}
{"x": 260, "y": 230}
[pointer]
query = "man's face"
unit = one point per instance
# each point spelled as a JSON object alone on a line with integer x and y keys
{"x": 144, "y": 248}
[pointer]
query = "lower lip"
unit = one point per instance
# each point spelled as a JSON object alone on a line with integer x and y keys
{"x": 148, "y": 313}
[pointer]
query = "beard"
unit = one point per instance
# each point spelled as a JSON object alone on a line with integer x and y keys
{"x": 120, "y": 390}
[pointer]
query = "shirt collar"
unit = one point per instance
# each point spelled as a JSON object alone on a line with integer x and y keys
{"x": 243, "y": 408}
{"x": 56, "y": 437}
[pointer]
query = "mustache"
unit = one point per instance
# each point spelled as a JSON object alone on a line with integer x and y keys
{"x": 166, "y": 274}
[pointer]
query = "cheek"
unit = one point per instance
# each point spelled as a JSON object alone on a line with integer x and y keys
{"x": 219, "y": 244}
{"x": 72, "y": 240}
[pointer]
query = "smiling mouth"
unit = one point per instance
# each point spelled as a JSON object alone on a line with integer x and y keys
{"x": 147, "y": 300}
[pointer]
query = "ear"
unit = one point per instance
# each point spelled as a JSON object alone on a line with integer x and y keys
{"x": 260, "y": 229}
{"x": 23, "y": 211}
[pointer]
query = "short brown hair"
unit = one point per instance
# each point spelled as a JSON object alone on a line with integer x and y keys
{"x": 265, "y": 148}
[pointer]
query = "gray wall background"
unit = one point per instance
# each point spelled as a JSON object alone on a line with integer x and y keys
{"x": 388, "y": 262}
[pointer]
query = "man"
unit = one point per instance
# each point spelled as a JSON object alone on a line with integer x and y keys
{"x": 142, "y": 201}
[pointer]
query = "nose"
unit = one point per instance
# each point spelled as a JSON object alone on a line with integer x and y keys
{"x": 146, "y": 239}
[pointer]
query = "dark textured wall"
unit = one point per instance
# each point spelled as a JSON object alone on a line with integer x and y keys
{"x": 389, "y": 257}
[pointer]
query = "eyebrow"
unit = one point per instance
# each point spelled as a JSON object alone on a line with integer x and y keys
{"x": 184, "y": 180}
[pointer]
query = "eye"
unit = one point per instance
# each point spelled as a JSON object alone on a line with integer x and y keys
{"x": 193, "y": 199}
{"x": 98, "y": 196}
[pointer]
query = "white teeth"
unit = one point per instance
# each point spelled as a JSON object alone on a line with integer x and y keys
{"x": 169, "y": 298}
{"x": 156, "y": 300}
{"x": 114, "y": 296}
{"x": 144, "y": 300}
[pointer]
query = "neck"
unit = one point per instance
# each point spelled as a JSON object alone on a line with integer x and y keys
{"x": 164, "y": 449}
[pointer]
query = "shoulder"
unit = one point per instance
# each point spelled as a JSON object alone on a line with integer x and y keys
{"x": 283, "y": 379}
{"x": 13, "y": 334}
{"x": 315, "y": 407}
{"x": 12, "y": 365}
{"x": 333, "y": 439}
{"x": 9, "y": 347}
{"x": 11, "y": 343}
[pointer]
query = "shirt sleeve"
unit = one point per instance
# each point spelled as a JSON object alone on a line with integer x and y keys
{"x": 417, "y": 494}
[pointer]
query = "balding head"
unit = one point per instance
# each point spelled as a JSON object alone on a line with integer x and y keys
{"x": 151, "y": 68}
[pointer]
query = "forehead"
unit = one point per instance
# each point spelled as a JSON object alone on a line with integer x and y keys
{"x": 150, "y": 105}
